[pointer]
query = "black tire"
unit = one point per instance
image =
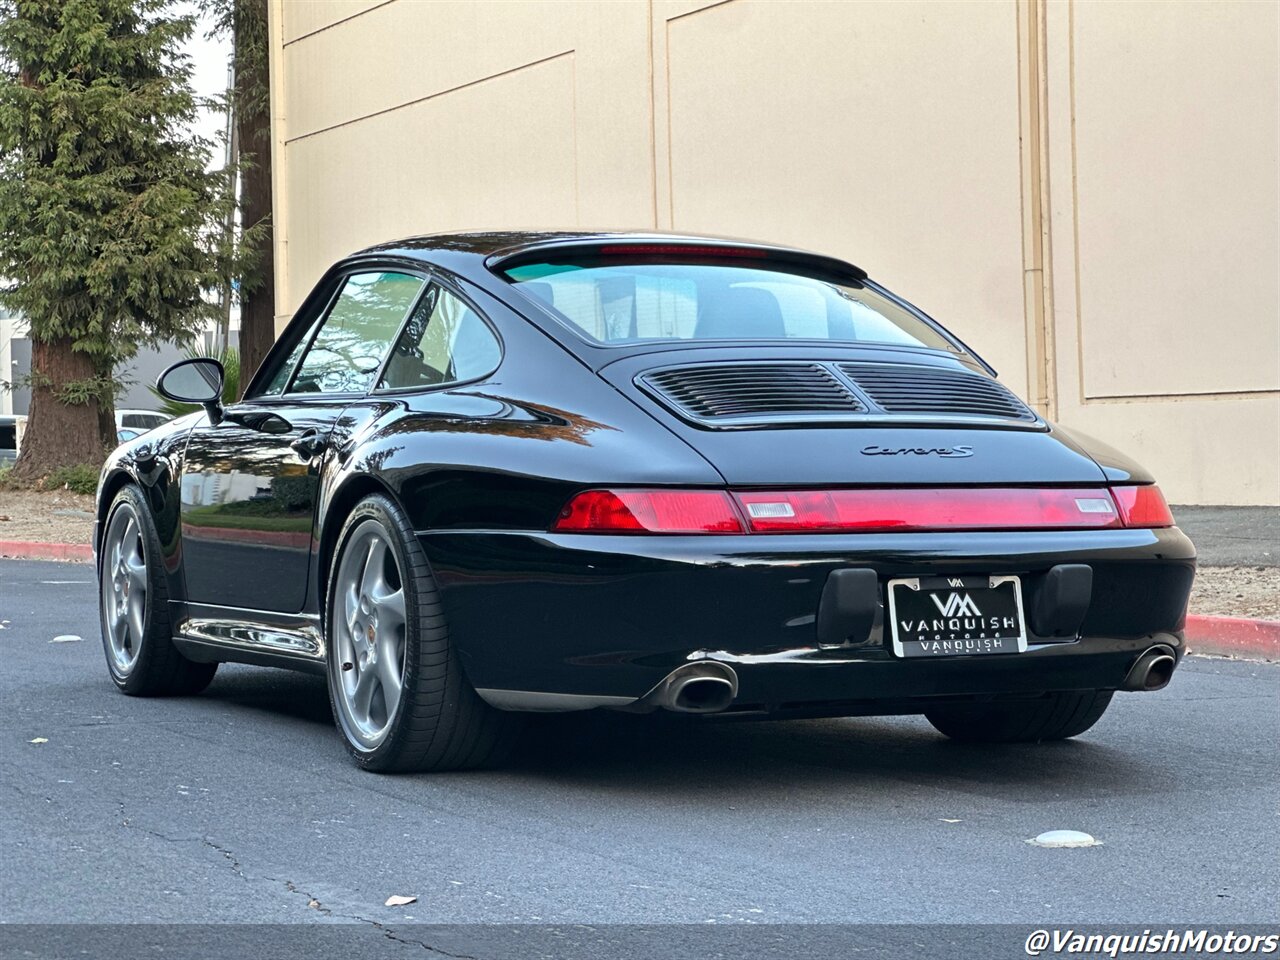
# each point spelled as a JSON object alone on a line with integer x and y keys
{"x": 157, "y": 669}
{"x": 440, "y": 722}
{"x": 1056, "y": 716}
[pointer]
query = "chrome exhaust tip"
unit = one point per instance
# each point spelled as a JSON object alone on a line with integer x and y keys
{"x": 707, "y": 686}
{"x": 1151, "y": 671}
{"x": 701, "y": 695}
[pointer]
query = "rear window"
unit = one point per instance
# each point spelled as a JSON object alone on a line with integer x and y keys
{"x": 614, "y": 302}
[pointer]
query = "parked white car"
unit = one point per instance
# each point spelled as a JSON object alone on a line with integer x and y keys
{"x": 133, "y": 423}
{"x": 10, "y": 438}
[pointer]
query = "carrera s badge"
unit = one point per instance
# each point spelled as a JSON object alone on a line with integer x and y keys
{"x": 947, "y": 452}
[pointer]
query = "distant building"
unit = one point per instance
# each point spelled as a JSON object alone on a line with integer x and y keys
{"x": 141, "y": 371}
{"x": 15, "y": 364}
{"x": 1085, "y": 192}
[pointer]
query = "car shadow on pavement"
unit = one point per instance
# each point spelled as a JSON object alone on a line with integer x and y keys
{"x": 719, "y": 759}
{"x": 700, "y": 756}
{"x": 301, "y": 696}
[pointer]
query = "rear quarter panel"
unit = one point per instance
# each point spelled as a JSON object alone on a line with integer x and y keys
{"x": 504, "y": 453}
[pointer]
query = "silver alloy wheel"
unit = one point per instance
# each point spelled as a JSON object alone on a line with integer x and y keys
{"x": 124, "y": 589}
{"x": 368, "y": 623}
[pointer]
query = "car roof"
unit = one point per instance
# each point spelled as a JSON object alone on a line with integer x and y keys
{"x": 474, "y": 249}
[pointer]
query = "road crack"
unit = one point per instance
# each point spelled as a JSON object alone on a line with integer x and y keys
{"x": 313, "y": 902}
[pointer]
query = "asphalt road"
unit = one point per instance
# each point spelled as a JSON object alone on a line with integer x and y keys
{"x": 240, "y": 804}
{"x": 1232, "y": 536}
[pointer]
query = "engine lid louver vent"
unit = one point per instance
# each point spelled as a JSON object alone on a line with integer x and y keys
{"x": 728, "y": 393}
{"x": 902, "y": 389}
{"x": 782, "y": 393}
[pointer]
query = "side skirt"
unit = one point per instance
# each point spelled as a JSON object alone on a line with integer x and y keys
{"x": 211, "y": 634}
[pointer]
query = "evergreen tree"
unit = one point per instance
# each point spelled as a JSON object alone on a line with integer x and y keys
{"x": 109, "y": 221}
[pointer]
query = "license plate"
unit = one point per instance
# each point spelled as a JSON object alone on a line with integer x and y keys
{"x": 956, "y": 616}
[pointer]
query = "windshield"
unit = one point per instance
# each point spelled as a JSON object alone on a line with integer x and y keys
{"x": 614, "y": 303}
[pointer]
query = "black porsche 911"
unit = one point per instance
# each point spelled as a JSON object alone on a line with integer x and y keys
{"x": 492, "y": 473}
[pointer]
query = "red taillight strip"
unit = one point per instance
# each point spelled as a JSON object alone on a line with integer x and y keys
{"x": 650, "y": 511}
{"x": 864, "y": 511}
{"x": 1143, "y": 506}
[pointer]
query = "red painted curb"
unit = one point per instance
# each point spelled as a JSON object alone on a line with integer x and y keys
{"x": 269, "y": 538}
{"x": 1234, "y": 636}
{"x": 32, "y": 550}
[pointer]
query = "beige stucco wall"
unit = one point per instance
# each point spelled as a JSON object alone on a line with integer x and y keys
{"x": 1086, "y": 192}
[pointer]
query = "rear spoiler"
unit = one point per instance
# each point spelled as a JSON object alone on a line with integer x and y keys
{"x": 659, "y": 247}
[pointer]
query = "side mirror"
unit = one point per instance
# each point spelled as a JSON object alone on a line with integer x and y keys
{"x": 198, "y": 380}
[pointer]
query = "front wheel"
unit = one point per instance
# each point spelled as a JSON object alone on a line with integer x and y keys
{"x": 1055, "y": 716}
{"x": 133, "y": 605}
{"x": 396, "y": 687}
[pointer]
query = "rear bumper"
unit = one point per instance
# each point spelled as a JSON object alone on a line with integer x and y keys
{"x": 548, "y": 621}
{"x": 817, "y": 681}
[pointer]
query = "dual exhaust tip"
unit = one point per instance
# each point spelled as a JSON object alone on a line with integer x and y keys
{"x": 710, "y": 686}
{"x": 1151, "y": 671}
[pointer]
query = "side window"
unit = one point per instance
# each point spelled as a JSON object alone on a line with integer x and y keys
{"x": 445, "y": 341}
{"x": 357, "y": 333}
{"x": 280, "y": 379}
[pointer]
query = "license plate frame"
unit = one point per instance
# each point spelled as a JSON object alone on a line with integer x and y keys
{"x": 983, "y": 639}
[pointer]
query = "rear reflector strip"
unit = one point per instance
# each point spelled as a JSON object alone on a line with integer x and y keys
{"x": 863, "y": 511}
{"x": 1009, "y": 508}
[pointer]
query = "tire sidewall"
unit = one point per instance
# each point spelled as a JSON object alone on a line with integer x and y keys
{"x": 377, "y": 507}
{"x": 127, "y": 499}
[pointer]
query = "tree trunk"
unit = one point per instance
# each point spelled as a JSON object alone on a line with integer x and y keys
{"x": 253, "y": 122}
{"x": 107, "y": 431}
{"x": 58, "y": 434}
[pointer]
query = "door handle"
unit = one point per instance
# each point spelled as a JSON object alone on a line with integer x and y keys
{"x": 264, "y": 421}
{"x": 310, "y": 445}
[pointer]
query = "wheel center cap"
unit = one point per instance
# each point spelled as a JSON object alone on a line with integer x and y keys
{"x": 368, "y": 633}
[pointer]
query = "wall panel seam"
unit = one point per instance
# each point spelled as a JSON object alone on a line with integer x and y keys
{"x": 653, "y": 123}
{"x": 1075, "y": 198}
{"x": 666, "y": 63}
{"x": 330, "y": 26}
{"x": 690, "y": 13}
{"x": 1180, "y": 397}
{"x": 432, "y": 96}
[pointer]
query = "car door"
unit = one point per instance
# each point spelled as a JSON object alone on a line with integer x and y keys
{"x": 250, "y": 481}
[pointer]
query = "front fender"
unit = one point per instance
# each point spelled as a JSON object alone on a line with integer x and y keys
{"x": 153, "y": 463}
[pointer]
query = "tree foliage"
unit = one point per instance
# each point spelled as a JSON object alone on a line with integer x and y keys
{"x": 109, "y": 234}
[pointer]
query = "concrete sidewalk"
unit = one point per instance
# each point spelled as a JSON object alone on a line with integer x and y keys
{"x": 1233, "y": 536}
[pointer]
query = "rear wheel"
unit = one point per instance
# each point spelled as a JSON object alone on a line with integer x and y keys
{"x": 1055, "y": 716}
{"x": 395, "y": 684}
{"x": 133, "y": 605}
